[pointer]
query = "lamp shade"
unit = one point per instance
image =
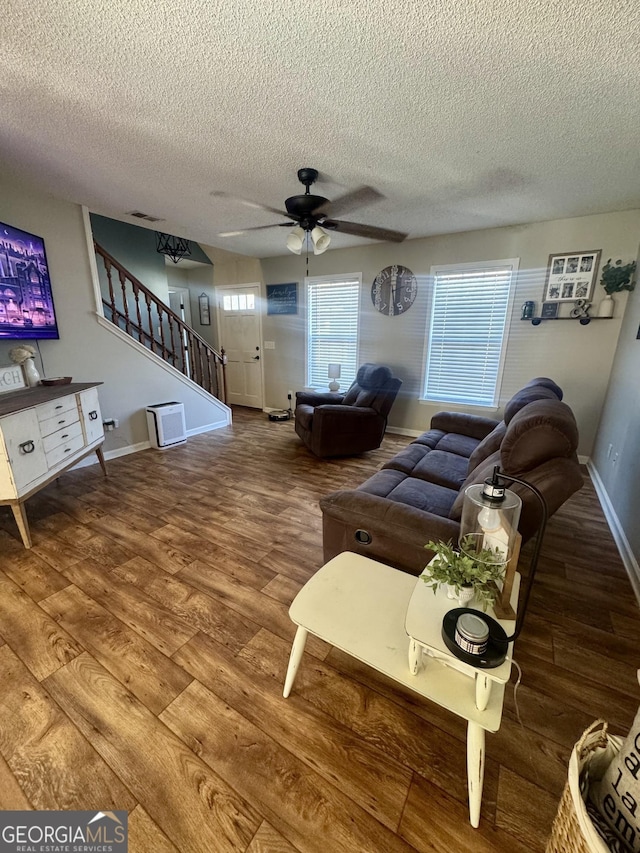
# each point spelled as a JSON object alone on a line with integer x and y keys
{"x": 489, "y": 521}
{"x": 320, "y": 240}
{"x": 333, "y": 373}
{"x": 295, "y": 240}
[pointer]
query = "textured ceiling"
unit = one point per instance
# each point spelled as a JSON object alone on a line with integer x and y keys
{"x": 465, "y": 114}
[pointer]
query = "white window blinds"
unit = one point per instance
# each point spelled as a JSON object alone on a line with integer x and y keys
{"x": 332, "y": 328}
{"x": 465, "y": 350}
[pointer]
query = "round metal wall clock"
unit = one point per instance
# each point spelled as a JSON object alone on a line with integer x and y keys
{"x": 394, "y": 290}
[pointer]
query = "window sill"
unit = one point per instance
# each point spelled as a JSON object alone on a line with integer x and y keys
{"x": 455, "y": 406}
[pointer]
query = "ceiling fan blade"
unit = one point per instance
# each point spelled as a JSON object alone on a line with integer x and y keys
{"x": 349, "y": 201}
{"x": 248, "y": 203}
{"x": 369, "y": 231}
{"x": 241, "y": 231}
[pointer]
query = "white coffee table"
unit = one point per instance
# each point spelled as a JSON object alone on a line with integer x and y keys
{"x": 361, "y": 606}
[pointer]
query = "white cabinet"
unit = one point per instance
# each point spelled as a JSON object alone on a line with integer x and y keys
{"x": 44, "y": 431}
{"x": 24, "y": 453}
{"x": 91, "y": 416}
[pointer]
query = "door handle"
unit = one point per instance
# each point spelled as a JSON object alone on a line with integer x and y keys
{"x": 256, "y": 358}
{"x": 27, "y": 447}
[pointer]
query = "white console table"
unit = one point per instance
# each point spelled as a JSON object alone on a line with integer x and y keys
{"x": 44, "y": 431}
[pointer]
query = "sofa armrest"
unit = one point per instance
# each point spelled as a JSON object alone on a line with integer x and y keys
{"x": 396, "y": 532}
{"x": 462, "y": 423}
{"x": 316, "y": 398}
{"x": 336, "y": 413}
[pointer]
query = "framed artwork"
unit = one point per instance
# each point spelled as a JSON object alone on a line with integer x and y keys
{"x": 571, "y": 275}
{"x": 205, "y": 314}
{"x": 282, "y": 298}
{"x": 549, "y": 310}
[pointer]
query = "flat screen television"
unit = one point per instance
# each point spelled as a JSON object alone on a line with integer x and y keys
{"x": 26, "y": 301}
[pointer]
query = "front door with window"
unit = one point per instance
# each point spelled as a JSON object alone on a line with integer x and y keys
{"x": 240, "y": 336}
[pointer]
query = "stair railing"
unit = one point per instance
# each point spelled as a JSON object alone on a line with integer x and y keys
{"x": 136, "y": 310}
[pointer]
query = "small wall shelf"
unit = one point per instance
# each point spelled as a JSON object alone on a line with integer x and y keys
{"x": 584, "y": 321}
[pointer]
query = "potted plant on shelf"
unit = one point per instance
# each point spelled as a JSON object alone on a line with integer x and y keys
{"x": 615, "y": 278}
{"x": 466, "y": 575}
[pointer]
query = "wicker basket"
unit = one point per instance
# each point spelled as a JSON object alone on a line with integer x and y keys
{"x": 573, "y": 830}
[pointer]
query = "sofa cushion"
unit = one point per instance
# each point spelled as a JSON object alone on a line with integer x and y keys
{"x": 478, "y": 475}
{"x": 547, "y": 383}
{"x": 370, "y": 380}
{"x": 528, "y": 394}
{"x": 444, "y": 469}
{"x": 407, "y": 459}
{"x": 461, "y": 445}
{"x": 420, "y": 494}
{"x": 545, "y": 432}
{"x": 487, "y": 446}
{"x": 463, "y": 423}
{"x": 546, "y": 429}
{"x": 382, "y": 483}
{"x": 430, "y": 438}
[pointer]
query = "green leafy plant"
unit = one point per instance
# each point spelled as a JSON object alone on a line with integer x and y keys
{"x": 480, "y": 569}
{"x": 617, "y": 277}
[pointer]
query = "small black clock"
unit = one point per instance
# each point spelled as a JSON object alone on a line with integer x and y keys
{"x": 394, "y": 290}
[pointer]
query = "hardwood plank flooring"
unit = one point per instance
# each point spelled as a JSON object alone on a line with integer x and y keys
{"x": 145, "y": 636}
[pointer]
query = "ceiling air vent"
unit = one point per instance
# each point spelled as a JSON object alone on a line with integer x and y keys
{"x": 139, "y": 215}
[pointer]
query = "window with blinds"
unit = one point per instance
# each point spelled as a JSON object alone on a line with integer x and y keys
{"x": 333, "y": 304}
{"x": 467, "y": 332}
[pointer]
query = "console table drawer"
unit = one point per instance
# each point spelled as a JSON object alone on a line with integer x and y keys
{"x": 62, "y": 436}
{"x": 59, "y": 421}
{"x": 64, "y": 450}
{"x": 56, "y": 407}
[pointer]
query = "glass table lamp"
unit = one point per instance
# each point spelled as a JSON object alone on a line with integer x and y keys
{"x": 490, "y": 516}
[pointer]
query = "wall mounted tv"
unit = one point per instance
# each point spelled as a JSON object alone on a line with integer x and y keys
{"x": 26, "y": 302}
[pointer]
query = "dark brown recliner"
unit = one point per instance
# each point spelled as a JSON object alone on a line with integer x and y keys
{"x": 351, "y": 423}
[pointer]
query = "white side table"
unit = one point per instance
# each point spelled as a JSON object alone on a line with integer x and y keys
{"x": 360, "y": 606}
{"x": 423, "y": 625}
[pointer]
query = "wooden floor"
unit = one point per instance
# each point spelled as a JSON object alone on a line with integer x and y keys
{"x": 144, "y": 641}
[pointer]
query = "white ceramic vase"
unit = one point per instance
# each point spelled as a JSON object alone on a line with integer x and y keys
{"x": 605, "y": 309}
{"x": 463, "y": 597}
{"x": 31, "y": 373}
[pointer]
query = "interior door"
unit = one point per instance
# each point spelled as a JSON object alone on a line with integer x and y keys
{"x": 240, "y": 336}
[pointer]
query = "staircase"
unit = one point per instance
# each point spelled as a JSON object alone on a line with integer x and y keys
{"x": 136, "y": 310}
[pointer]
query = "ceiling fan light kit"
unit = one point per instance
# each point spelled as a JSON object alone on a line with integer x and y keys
{"x": 313, "y": 216}
{"x": 295, "y": 240}
{"x": 320, "y": 240}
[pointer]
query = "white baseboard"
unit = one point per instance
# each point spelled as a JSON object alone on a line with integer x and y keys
{"x": 144, "y": 445}
{"x": 209, "y": 427}
{"x": 412, "y": 433}
{"x": 112, "y": 454}
{"x": 630, "y": 563}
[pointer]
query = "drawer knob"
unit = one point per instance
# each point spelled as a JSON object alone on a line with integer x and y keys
{"x": 27, "y": 447}
{"x": 66, "y": 435}
{"x": 59, "y": 407}
{"x": 63, "y": 421}
{"x": 93, "y": 416}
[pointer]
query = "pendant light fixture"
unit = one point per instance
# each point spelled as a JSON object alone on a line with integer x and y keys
{"x": 175, "y": 248}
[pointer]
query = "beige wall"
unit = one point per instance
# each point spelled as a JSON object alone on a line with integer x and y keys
{"x": 578, "y": 357}
{"x": 619, "y": 468}
{"x": 87, "y": 351}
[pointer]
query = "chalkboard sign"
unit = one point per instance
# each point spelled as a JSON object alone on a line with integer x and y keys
{"x": 282, "y": 298}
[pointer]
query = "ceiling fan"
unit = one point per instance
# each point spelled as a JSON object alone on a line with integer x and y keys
{"x": 314, "y": 216}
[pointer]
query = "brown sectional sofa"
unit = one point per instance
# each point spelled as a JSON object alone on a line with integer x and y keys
{"x": 417, "y": 495}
